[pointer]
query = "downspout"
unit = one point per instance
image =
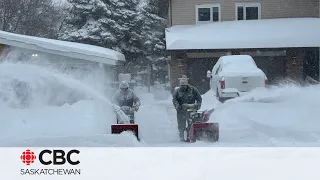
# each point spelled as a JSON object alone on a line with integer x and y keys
{"x": 170, "y": 4}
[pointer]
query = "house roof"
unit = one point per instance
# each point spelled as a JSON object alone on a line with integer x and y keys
{"x": 266, "y": 33}
{"x": 63, "y": 48}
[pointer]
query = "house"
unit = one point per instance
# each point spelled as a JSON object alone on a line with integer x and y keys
{"x": 61, "y": 53}
{"x": 282, "y": 36}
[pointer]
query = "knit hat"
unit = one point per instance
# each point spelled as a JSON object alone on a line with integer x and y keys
{"x": 123, "y": 84}
{"x": 183, "y": 80}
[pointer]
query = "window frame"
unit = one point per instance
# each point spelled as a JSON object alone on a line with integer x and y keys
{"x": 245, "y": 5}
{"x": 211, "y": 6}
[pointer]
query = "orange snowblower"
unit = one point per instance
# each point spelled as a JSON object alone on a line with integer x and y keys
{"x": 125, "y": 121}
{"x": 198, "y": 127}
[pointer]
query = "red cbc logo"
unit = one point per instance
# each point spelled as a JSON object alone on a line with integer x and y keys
{"x": 28, "y": 157}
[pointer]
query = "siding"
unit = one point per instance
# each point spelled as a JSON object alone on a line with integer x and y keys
{"x": 183, "y": 11}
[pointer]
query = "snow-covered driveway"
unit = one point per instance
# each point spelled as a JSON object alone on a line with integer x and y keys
{"x": 283, "y": 116}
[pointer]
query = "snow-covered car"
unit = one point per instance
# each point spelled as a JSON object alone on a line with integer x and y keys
{"x": 235, "y": 75}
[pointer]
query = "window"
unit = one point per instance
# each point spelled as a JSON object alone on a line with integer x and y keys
{"x": 248, "y": 11}
{"x": 208, "y": 13}
{"x": 217, "y": 70}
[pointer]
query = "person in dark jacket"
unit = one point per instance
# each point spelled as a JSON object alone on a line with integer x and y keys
{"x": 184, "y": 95}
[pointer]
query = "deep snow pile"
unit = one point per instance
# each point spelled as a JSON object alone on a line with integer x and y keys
{"x": 281, "y": 116}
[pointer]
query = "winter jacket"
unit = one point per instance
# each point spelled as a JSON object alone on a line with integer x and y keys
{"x": 125, "y": 98}
{"x": 189, "y": 96}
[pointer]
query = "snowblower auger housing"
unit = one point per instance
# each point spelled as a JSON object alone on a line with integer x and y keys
{"x": 198, "y": 127}
{"x": 125, "y": 122}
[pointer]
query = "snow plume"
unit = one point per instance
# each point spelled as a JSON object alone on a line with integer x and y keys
{"x": 42, "y": 106}
{"x": 26, "y": 81}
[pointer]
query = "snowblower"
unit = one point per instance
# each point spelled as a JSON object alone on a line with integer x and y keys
{"x": 198, "y": 127}
{"x": 125, "y": 121}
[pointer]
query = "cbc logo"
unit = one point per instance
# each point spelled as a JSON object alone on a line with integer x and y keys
{"x": 57, "y": 157}
{"x": 28, "y": 157}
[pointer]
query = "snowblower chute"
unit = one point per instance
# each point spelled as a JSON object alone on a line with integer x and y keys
{"x": 125, "y": 121}
{"x": 198, "y": 127}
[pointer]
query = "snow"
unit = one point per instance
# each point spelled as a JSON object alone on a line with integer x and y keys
{"x": 283, "y": 116}
{"x": 266, "y": 33}
{"x": 245, "y": 61}
{"x": 65, "y": 111}
{"x": 64, "y": 48}
{"x": 235, "y": 72}
{"x": 235, "y": 65}
{"x": 206, "y": 163}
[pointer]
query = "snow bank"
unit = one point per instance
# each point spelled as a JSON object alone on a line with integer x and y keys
{"x": 266, "y": 33}
{"x": 282, "y": 116}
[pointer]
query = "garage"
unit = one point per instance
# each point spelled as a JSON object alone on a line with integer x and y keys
{"x": 197, "y": 71}
{"x": 272, "y": 66}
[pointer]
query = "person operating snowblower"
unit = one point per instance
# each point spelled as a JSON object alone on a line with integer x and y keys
{"x": 184, "y": 97}
{"x": 126, "y": 99}
{"x": 126, "y": 102}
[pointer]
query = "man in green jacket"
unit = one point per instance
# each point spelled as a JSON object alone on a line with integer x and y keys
{"x": 183, "y": 96}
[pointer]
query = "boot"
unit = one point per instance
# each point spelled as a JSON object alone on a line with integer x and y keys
{"x": 181, "y": 136}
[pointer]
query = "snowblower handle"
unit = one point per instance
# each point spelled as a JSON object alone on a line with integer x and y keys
{"x": 189, "y": 105}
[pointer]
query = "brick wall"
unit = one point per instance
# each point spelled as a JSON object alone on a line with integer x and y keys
{"x": 2, "y": 46}
{"x": 178, "y": 67}
{"x": 294, "y": 63}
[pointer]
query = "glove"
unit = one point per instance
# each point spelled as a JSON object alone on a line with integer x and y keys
{"x": 197, "y": 106}
{"x": 137, "y": 105}
{"x": 185, "y": 106}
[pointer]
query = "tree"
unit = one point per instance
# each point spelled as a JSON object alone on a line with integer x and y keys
{"x": 30, "y": 17}
{"x": 128, "y": 26}
{"x": 152, "y": 31}
{"x": 107, "y": 23}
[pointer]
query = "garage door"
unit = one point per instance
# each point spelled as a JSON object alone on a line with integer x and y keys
{"x": 273, "y": 67}
{"x": 197, "y": 72}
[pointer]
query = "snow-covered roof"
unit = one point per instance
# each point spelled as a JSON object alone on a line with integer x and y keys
{"x": 266, "y": 33}
{"x": 63, "y": 48}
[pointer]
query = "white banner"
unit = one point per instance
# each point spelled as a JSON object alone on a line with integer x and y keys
{"x": 166, "y": 163}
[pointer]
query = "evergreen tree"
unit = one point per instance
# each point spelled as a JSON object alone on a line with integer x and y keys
{"x": 132, "y": 27}
{"x": 107, "y": 23}
{"x": 85, "y": 26}
{"x": 152, "y": 32}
